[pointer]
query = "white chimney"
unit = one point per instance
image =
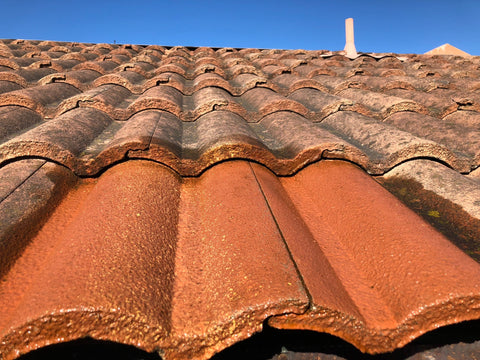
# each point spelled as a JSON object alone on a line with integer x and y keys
{"x": 350, "y": 41}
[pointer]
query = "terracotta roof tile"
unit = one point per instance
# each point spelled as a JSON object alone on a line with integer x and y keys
{"x": 7, "y": 86}
{"x": 42, "y": 99}
{"x": 27, "y": 76}
{"x": 443, "y": 132}
{"x": 81, "y": 79}
{"x": 29, "y": 192}
{"x": 447, "y": 183}
{"x": 188, "y": 254}
{"x": 14, "y": 119}
{"x": 130, "y": 80}
{"x": 324, "y": 104}
{"x": 205, "y": 274}
{"x": 378, "y": 302}
{"x": 383, "y": 105}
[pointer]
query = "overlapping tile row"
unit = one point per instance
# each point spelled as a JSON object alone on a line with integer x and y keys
{"x": 292, "y": 255}
{"x": 189, "y": 266}
{"x": 158, "y": 103}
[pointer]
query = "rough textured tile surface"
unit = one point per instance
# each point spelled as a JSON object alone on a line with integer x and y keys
{"x": 257, "y": 205}
{"x": 166, "y": 272}
{"x": 443, "y": 197}
{"x": 120, "y": 81}
{"x": 29, "y": 192}
{"x": 190, "y": 266}
{"x": 386, "y": 272}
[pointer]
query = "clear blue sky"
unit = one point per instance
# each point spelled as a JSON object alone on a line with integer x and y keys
{"x": 380, "y": 26}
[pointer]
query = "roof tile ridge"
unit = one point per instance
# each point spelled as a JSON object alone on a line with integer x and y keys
{"x": 461, "y": 104}
{"x": 47, "y": 63}
{"x": 268, "y": 195}
{"x": 61, "y": 77}
{"x": 35, "y": 98}
{"x": 92, "y": 98}
{"x": 91, "y": 65}
{"x": 14, "y": 78}
{"x": 68, "y": 78}
{"x": 118, "y": 78}
{"x": 258, "y": 109}
{"x": 42, "y": 141}
{"x": 9, "y": 62}
{"x": 150, "y": 134}
{"x": 136, "y": 67}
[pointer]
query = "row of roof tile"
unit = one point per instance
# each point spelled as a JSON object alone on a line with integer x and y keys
{"x": 280, "y": 237}
{"x": 323, "y": 91}
{"x": 174, "y": 270}
{"x": 87, "y": 139}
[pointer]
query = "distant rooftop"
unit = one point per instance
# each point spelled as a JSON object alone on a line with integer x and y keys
{"x": 447, "y": 49}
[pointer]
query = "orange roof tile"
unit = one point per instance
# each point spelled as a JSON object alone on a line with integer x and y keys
{"x": 187, "y": 254}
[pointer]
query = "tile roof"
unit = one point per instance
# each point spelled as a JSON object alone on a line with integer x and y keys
{"x": 187, "y": 254}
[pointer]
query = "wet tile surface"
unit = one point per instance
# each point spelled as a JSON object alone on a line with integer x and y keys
{"x": 187, "y": 254}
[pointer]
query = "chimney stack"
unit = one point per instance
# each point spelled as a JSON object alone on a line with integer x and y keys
{"x": 350, "y": 50}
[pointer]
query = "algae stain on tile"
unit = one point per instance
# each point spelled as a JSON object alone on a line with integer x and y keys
{"x": 450, "y": 219}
